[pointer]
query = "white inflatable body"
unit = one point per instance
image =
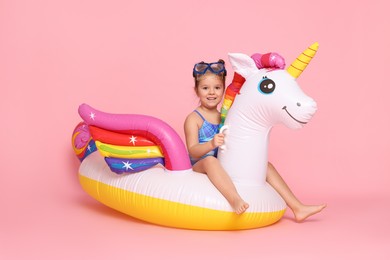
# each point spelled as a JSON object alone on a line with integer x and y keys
{"x": 176, "y": 196}
{"x": 183, "y": 199}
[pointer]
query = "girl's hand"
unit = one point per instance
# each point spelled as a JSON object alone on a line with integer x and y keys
{"x": 218, "y": 140}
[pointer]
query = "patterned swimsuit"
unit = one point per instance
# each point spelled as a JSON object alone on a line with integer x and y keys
{"x": 206, "y": 133}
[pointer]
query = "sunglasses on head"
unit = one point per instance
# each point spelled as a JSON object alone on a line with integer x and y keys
{"x": 215, "y": 67}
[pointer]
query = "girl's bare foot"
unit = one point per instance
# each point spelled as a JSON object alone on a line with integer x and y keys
{"x": 305, "y": 211}
{"x": 240, "y": 206}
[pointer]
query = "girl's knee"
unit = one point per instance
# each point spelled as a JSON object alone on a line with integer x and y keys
{"x": 206, "y": 164}
{"x": 210, "y": 159}
{"x": 211, "y": 162}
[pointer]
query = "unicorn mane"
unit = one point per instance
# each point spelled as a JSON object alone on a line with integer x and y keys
{"x": 230, "y": 94}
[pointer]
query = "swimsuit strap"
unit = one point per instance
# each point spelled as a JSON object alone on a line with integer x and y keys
{"x": 200, "y": 114}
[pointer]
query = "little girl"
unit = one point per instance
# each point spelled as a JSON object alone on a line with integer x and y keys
{"x": 201, "y": 130}
{"x": 202, "y": 139}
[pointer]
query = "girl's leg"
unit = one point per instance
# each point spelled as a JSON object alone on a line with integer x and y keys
{"x": 221, "y": 180}
{"x": 300, "y": 210}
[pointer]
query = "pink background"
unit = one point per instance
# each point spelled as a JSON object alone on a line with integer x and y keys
{"x": 136, "y": 57}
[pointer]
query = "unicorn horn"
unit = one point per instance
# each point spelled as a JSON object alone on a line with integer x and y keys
{"x": 300, "y": 63}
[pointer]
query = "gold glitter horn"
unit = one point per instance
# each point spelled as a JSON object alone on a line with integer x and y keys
{"x": 300, "y": 63}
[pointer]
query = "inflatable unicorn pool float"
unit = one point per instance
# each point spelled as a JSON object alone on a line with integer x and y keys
{"x": 143, "y": 169}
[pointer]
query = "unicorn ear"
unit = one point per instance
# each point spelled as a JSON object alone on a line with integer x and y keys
{"x": 242, "y": 64}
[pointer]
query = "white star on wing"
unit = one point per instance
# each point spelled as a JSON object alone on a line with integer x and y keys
{"x": 133, "y": 139}
{"x": 92, "y": 116}
{"x": 127, "y": 165}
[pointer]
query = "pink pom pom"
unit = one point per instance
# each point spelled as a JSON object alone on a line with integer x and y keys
{"x": 269, "y": 60}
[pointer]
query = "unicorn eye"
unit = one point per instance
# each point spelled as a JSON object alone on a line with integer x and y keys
{"x": 266, "y": 85}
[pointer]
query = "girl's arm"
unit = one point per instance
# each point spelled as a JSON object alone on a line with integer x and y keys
{"x": 191, "y": 128}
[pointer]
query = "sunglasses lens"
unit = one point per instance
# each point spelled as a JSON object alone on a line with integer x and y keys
{"x": 217, "y": 67}
{"x": 201, "y": 67}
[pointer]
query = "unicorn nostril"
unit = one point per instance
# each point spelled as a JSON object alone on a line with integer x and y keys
{"x": 298, "y": 104}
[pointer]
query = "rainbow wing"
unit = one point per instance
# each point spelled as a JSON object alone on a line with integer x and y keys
{"x": 129, "y": 142}
{"x": 123, "y": 152}
{"x": 126, "y": 153}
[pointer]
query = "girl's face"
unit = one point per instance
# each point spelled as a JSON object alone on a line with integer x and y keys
{"x": 210, "y": 90}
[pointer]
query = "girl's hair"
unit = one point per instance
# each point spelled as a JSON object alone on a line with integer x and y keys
{"x": 221, "y": 75}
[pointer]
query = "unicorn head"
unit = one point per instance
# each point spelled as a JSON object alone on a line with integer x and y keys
{"x": 273, "y": 96}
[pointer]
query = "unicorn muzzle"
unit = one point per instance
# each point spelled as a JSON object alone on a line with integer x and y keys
{"x": 302, "y": 112}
